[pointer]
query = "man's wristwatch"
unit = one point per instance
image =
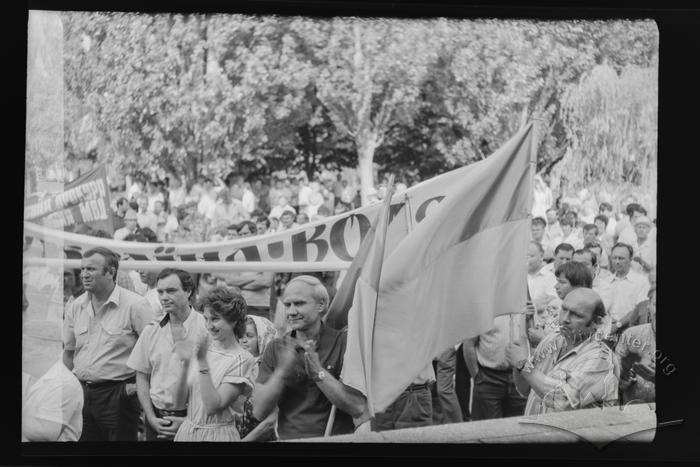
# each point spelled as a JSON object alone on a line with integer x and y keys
{"x": 320, "y": 376}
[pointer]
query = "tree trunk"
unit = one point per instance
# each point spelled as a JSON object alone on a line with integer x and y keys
{"x": 365, "y": 159}
{"x": 191, "y": 171}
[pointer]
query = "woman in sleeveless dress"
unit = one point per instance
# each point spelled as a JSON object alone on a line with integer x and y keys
{"x": 218, "y": 370}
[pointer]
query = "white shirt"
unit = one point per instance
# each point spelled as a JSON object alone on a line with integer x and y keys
{"x": 304, "y": 194}
{"x": 574, "y": 240}
{"x": 152, "y": 198}
{"x": 56, "y": 397}
{"x": 177, "y": 197}
{"x": 154, "y": 355}
{"x": 621, "y": 295}
{"x": 120, "y": 234}
{"x": 491, "y": 345}
{"x": 206, "y": 201}
{"x": 553, "y": 236}
{"x": 152, "y": 296}
{"x": 248, "y": 200}
{"x": 646, "y": 251}
{"x": 147, "y": 219}
{"x": 541, "y": 287}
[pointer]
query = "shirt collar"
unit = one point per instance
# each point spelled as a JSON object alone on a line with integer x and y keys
{"x": 113, "y": 297}
{"x": 575, "y": 349}
{"x": 166, "y": 319}
{"x": 324, "y": 334}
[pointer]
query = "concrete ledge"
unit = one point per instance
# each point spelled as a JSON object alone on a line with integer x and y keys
{"x": 598, "y": 426}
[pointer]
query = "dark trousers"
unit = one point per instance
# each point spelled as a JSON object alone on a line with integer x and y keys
{"x": 463, "y": 384}
{"x": 412, "y": 408}
{"x": 495, "y": 395}
{"x": 108, "y": 413}
{"x": 446, "y": 407}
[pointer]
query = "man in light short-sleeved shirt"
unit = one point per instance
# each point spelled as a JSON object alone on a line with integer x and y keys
{"x": 99, "y": 331}
{"x": 155, "y": 359}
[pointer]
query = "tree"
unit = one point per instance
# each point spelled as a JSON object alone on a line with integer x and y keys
{"x": 370, "y": 75}
{"x": 612, "y": 125}
{"x": 44, "y": 134}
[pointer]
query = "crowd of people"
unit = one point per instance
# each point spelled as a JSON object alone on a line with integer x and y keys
{"x": 175, "y": 356}
{"x": 212, "y": 209}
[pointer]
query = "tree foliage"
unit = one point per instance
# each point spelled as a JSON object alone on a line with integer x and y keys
{"x": 260, "y": 94}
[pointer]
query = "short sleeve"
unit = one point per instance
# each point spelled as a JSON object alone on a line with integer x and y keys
{"x": 141, "y": 314}
{"x": 68, "y": 335}
{"x": 241, "y": 372}
{"x": 138, "y": 360}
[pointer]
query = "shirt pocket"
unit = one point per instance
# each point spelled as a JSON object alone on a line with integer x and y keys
{"x": 81, "y": 334}
{"x": 114, "y": 334}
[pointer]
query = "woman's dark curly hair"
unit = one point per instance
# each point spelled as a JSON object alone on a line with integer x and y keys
{"x": 229, "y": 305}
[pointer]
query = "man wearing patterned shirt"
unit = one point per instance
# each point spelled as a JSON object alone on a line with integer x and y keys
{"x": 570, "y": 369}
{"x": 100, "y": 329}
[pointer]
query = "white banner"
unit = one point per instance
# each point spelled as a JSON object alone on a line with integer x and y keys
{"x": 331, "y": 240}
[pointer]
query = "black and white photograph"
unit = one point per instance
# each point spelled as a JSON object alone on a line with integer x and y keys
{"x": 288, "y": 228}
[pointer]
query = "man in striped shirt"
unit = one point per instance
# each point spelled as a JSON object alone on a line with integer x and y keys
{"x": 572, "y": 368}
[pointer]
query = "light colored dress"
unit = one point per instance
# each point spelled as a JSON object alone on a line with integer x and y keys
{"x": 224, "y": 367}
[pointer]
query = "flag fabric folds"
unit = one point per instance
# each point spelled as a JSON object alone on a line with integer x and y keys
{"x": 447, "y": 279}
{"x": 372, "y": 247}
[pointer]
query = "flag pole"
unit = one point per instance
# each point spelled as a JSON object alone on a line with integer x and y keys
{"x": 386, "y": 211}
{"x": 331, "y": 420}
{"x": 534, "y": 145}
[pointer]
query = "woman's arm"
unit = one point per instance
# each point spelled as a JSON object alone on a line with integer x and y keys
{"x": 214, "y": 399}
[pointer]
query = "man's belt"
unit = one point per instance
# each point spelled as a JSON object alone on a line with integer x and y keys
{"x": 107, "y": 382}
{"x": 160, "y": 413}
{"x": 416, "y": 387}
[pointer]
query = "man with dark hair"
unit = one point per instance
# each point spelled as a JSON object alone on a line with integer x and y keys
{"x": 570, "y": 369}
{"x": 155, "y": 359}
{"x": 300, "y": 372}
{"x": 100, "y": 329}
{"x": 118, "y": 215}
{"x": 562, "y": 254}
{"x": 537, "y": 230}
{"x": 590, "y": 234}
{"x": 624, "y": 290}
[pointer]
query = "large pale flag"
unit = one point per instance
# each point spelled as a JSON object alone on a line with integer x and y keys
{"x": 447, "y": 279}
{"x": 372, "y": 246}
